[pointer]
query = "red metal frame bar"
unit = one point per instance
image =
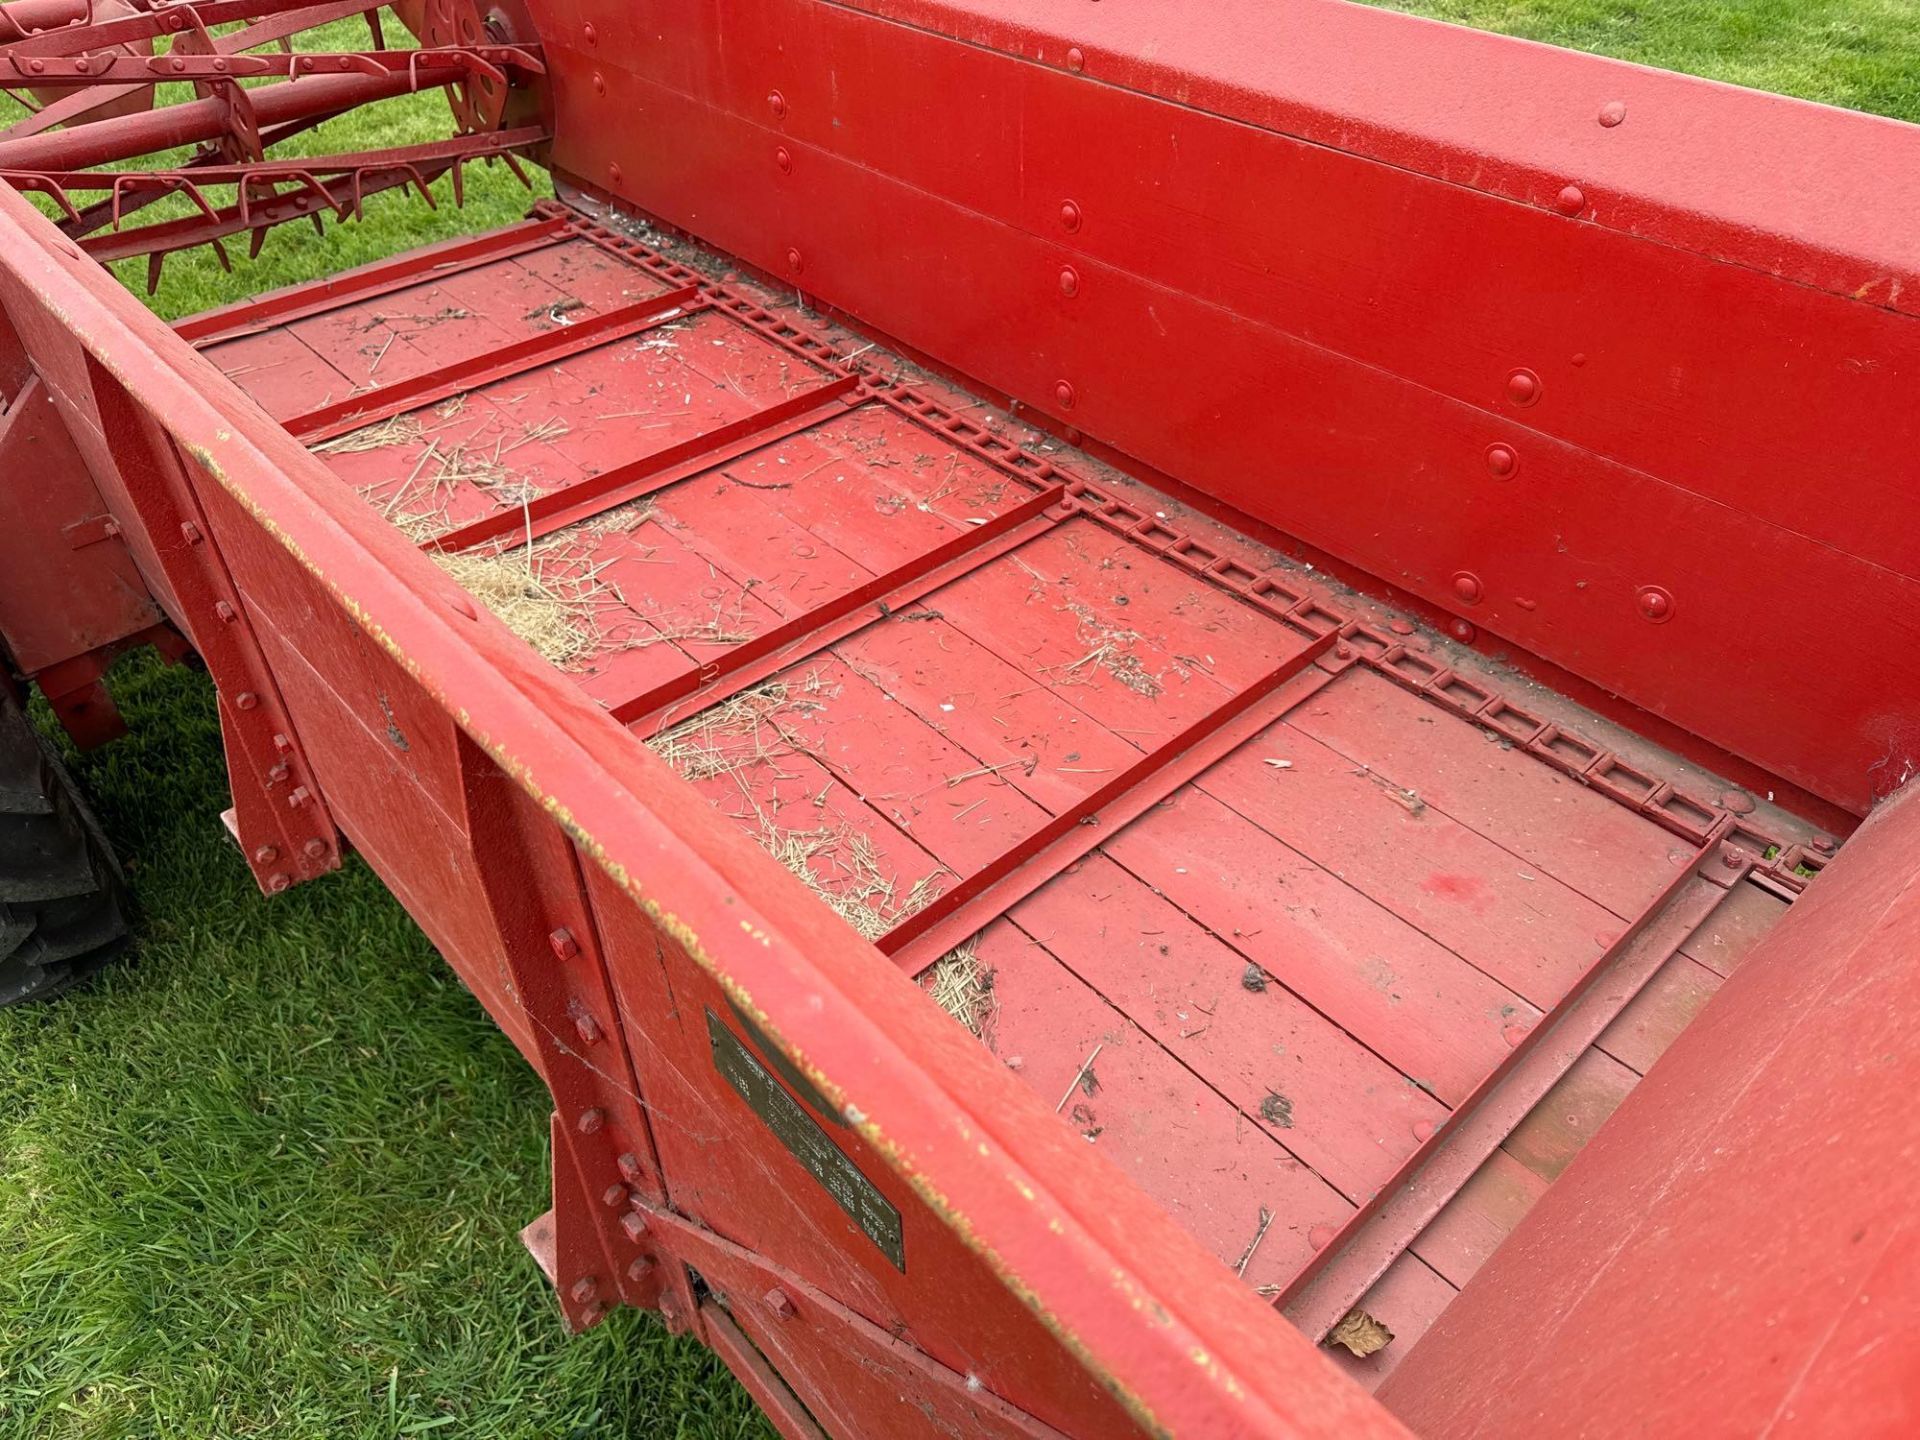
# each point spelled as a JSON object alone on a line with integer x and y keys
{"x": 1374, "y": 1236}
{"x": 88, "y": 70}
{"x": 812, "y": 630}
{"x": 964, "y": 911}
{"x": 583, "y": 499}
{"x": 417, "y": 267}
{"x": 75, "y": 34}
{"x": 342, "y": 417}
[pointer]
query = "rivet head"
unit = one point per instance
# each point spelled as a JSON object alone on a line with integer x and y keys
{"x": 1320, "y": 1236}
{"x": 1513, "y": 1035}
{"x": 779, "y": 1304}
{"x": 1570, "y": 201}
{"x": 277, "y": 883}
{"x": 1467, "y": 586}
{"x": 1063, "y": 395}
{"x": 592, "y": 35}
{"x": 783, "y": 159}
{"x": 1523, "y": 387}
{"x": 1654, "y": 603}
{"x": 777, "y": 103}
{"x": 1069, "y": 216}
{"x": 599, "y": 83}
{"x": 590, "y": 1121}
{"x": 562, "y": 943}
{"x": 1463, "y": 631}
{"x": 1076, "y": 59}
{"x": 265, "y": 855}
{"x": 613, "y": 174}
{"x": 1502, "y": 461}
{"x": 1612, "y": 113}
{"x": 247, "y": 700}
{"x": 1422, "y": 1131}
{"x": 1069, "y": 281}
{"x": 795, "y": 261}
{"x": 315, "y": 849}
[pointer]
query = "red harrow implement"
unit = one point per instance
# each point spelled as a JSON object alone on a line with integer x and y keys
{"x": 1160, "y": 722}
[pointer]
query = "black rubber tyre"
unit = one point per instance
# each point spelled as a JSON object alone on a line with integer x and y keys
{"x": 63, "y": 900}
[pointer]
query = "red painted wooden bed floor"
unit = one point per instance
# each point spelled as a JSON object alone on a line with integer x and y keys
{"x": 1256, "y": 907}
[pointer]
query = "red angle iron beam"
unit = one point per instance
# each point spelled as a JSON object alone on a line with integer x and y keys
{"x": 1341, "y": 1273}
{"x": 344, "y": 416}
{"x": 492, "y": 61}
{"x": 991, "y": 891}
{"x": 381, "y": 278}
{"x": 813, "y": 630}
{"x": 583, "y": 499}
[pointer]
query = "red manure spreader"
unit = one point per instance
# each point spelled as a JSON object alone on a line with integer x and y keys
{"x": 1162, "y": 719}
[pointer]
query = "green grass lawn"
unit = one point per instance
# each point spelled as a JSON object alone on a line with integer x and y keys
{"x": 266, "y": 1179}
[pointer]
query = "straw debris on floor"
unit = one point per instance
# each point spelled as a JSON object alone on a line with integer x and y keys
{"x": 836, "y": 861}
{"x": 548, "y": 595}
{"x": 963, "y": 987}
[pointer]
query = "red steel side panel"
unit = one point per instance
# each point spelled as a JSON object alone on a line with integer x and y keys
{"x": 1753, "y": 1200}
{"x": 1109, "y": 1312}
{"x": 1556, "y": 413}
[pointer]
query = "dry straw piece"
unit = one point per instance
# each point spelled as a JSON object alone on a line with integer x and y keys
{"x": 547, "y": 595}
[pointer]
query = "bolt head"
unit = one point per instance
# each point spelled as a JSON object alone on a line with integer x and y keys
{"x": 587, "y": 1028}
{"x": 783, "y": 159}
{"x": 1076, "y": 59}
{"x": 1612, "y": 113}
{"x": 1513, "y": 1035}
{"x": 590, "y": 1121}
{"x": 635, "y": 1226}
{"x": 1467, "y": 586}
{"x": 1523, "y": 387}
{"x": 777, "y": 103}
{"x": 599, "y": 83}
{"x": 1733, "y": 857}
{"x": 795, "y": 261}
{"x": 300, "y": 796}
{"x": 778, "y": 1302}
{"x": 246, "y": 700}
{"x": 1502, "y": 462}
{"x": 614, "y": 1196}
{"x": 562, "y": 943}
{"x": 1069, "y": 281}
{"x": 190, "y": 532}
{"x": 584, "y": 1289}
{"x": 1654, "y": 604}
{"x": 225, "y": 612}
{"x": 279, "y": 882}
{"x": 639, "y": 1268}
{"x": 1320, "y": 1236}
{"x": 1463, "y": 631}
{"x": 613, "y": 173}
{"x": 266, "y": 855}
{"x": 316, "y": 849}
{"x": 629, "y": 1167}
{"x": 1343, "y": 651}
{"x": 1069, "y": 216}
{"x": 1063, "y": 395}
{"x": 1422, "y": 1131}
{"x": 592, "y": 35}
{"x": 1570, "y": 201}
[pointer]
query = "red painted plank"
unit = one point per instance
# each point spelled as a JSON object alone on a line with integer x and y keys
{"x": 1566, "y": 1118}
{"x": 1741, "y": 922}
{"x": 1578, "y": 836}
{"x": 1408, "y": 999}
{"x": 1200, "y": 1159}
{"x": 1496, "y": 911}
{"x": 277, "y": 372}
{"x": 1457, "y": 1241}
{"x": 1653, "y": 1020}
{"x": 1330, "y": 1101}
{"x": 938, "y": 670}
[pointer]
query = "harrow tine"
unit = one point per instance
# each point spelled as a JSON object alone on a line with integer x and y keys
{"x": 220, "y": 254}
{"x": 155, "y": 262}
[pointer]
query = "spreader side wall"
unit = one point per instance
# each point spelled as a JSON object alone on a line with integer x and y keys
{"x": 1614, "y": 366}
{"x": 601, "y": 910}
